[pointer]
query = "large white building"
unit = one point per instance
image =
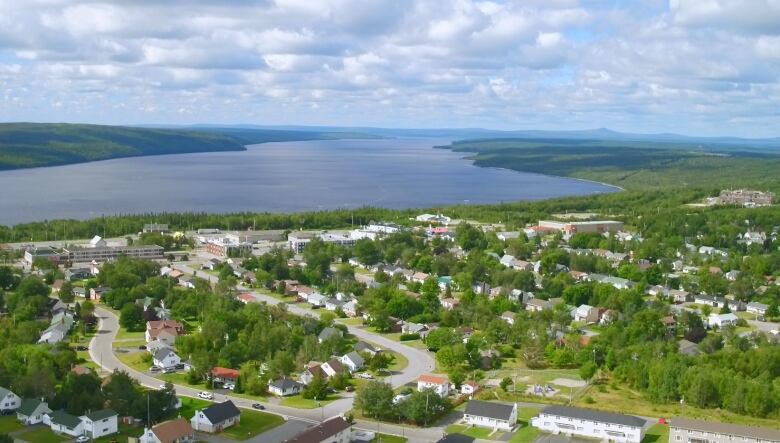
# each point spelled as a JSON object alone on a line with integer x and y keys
{"x": 590, "y": 424}
{"x": 686, "y": 430}
{"x": 596, "y": 226}
{"x": 297, "y": 242}
{"x": 491, "y": 415}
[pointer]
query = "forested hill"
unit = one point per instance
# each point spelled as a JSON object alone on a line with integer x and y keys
{"x": 629, "y": 164}
{"x": 28, "y": 145}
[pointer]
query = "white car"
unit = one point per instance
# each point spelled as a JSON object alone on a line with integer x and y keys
{"x": 205, "y": 395}
{"x": 229, "y": 386}
{"x": 365, "y": 375}
{"x": 82, "y": 439}
{"x": 162, "y": 386}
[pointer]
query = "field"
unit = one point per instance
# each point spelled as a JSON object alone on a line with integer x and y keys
{"x": 140, "y": 361}
{"x": 296, "y": 401}
{"x": 42, "y": 435}
{"x": 526, "y": 433}
{"x": 190, "y": 405}
{"x": 385, "y": 438}
{"x": 9, "y": 424}
{"x": 125, "y": 431}
{"x": 657, "y": 433}
{"x": 252, "y": 424}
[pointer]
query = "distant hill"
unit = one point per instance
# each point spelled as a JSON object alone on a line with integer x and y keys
{"x": 28, "y": 145}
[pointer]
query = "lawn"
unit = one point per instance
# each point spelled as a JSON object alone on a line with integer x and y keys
{"x": 526, "y": 433}
{"x": 386, "y": 438}
{"x": 357, "y": 321}
{"x": 42, "y": 435}
{"x": 190, "y": 405}
{"x": 9, "y": 424}
{"x": 140, "y": 361}
{"x": 657, "y": 433}
{"x": 125, "y": 431}
{"x": 124, "y": 334}
{"x": 128, "y": 343}
{"x": 253, "y": 423}
{"x": 471, "y": 431}
{"x": 299, "y": 402}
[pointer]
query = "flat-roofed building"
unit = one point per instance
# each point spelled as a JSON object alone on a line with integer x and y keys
{"x": 687, "y": 430}
{"x": 106, "y": 253}
{"x": 595, "y": 226}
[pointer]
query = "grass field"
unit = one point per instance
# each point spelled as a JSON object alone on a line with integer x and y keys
{"x": 385, "y": 438}
{"x": 124, "y": 334}
{"x": 252, "y": 424}
{"x": 657, "y": 433}
{"x": 472, "y": 431}
{"x": 125, "y": 431}
{"x": 128, "y": 343}
{"x": 190, "y": 405}
{"x": 42, "y": 435}
{"x": 136, "y": 360}
{"x": 299, "y": 402}
{"x": 9, "y": 423}
{"x": 526, "y": 433}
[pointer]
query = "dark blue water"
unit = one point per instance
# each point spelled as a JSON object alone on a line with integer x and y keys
{"x": 274, "y": 177}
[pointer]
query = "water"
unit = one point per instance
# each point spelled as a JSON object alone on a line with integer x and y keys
{"x": 273, "y": 177}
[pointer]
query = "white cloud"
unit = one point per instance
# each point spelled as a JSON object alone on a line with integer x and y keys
{"x": 696, "y": 66}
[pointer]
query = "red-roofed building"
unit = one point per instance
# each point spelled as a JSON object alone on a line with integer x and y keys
{"x": 224, "y": 375}
{"x": 246, "y": 298}
{"x": 439, "y": 384}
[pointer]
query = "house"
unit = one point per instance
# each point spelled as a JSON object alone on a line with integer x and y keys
{"x": 284, "y": 387}
{"x": 365, "y": 348}
{"x": 224, "y": 375}
{"x": 590, "y": 424}
{"x": 327, "y": 333}
{"x": 679, "y": 296}
{"x": 449, "y": 303}
{"x": 537, "y": 305}
{"x": 704, "y": 299}
{"x": 63, "y": 423}
{"x": 31, "y": 411}
{"x": 216, "y": 417}
{"x": 98, "y": 292}
{"x": 732, "y": 275}
{"x": 74, "y": 274}
{"x": 722, "y": 320}
{"x": 100, "y": 423}
{"x": 331, "y": 304}
{"x": 311, "y": 372}
{"x": 334, "y": 430}
{"x": 469, "y": 388}
{"x": 332, "y": 367}
{"x": 686, "y": 430}
{"x": 353, "y": 361}
{"x": 165, "y": 358}
{"x": 171, "y": 431}
{"x": 757, "y": 308}
{"x": 8, "y": 401}
{"x": 586, "y": 313}
{"x": 350, "y": 308}
{"x": 504, "y": 236}
{"x": 508, "y": 317}
{"x": 55, "y": 333}
{"x": 670, "y": 323}
{"x": 440, "y": 385}
{"x": 187, "y": 282}
{"x": 315, "y": 299}
{"x": 414, "y": 328}
{"x": 420, "y": 277}
{"x": 491, "y": 415}
{"x": 163, "y": 330}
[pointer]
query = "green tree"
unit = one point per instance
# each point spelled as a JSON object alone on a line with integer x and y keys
{"x": 317, "y": 389}
{"x": 131, "y": 317}
{"x": 423, "y": 407}
{"x": 374, "y": 399}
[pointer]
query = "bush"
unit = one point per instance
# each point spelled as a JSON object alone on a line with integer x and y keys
{"x": 589, "y": 400}
{"x": 409, "y": 337}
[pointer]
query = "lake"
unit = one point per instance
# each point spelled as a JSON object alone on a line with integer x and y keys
{"x": 273, "y": 177}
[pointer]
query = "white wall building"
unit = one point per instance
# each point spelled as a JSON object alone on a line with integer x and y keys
{"x": 491, "y": 415}
{"x": 590, "y": 424}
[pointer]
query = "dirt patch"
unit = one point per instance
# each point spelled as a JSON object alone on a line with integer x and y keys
{"x": 568, "y": 382}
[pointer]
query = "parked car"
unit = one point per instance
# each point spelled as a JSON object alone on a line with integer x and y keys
{"x": 82, "y": 439}
{"x": 365, "y": 375}
{"x": 206, "y": 395}
{"x": 81, "y": 348}
{"x": 349, "y": 389}
{"x": 154, "y": 369}
{"x": 142, "y": 347}
{"x": 179, "y": 366}
{"x": 162, "y": 386}
{"x": 229, "y": 386}
{"x": 258, "y": 406}
{"x": 169, "y": 371}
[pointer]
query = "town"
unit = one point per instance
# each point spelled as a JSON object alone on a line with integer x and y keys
{"x": 430, "y": 328}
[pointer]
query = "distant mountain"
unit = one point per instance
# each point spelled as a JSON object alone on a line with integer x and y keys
{"x": 28, "y": 145}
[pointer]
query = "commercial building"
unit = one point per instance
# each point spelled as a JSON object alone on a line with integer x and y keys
{"x": 596, "y": 226}
{"x": 743, "y": 197}
{"x": 686, "y": 430}
{"x": 230, "y": 245}
{"x": 297, "y": 242}
{"x": 590, "y": 424}
{"x": 106, "y": 253}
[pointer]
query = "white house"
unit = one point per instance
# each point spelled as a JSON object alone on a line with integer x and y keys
{"x": 100, "y": 423}
{"x": 440, "y": 385}
{"x": 721, "y": 320}
{"x": 353, "y": 361}
{"x": 165, "y": 358}
{"x": 590, "y": 424}
{"x": 216, "y": 417}
{"x": 32, "y": 411}
{"x": 9, "y": 401}
{"x": 327, "y": 333}
{"x": 586, "y": 313}
{"x": 508, "y": 317}
{"x": 469, "y": 388}
{"x": 284, "y": 387}
{"x": 63, "y": 423}
{"x": 171, "y": 431}
{"x": 491, "y": 415}
{"x": 367, "y": 348}
{"x": 757, "y": 308}
{"x": 332, "y": 367}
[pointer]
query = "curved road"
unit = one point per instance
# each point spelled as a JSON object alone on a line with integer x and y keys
{"x": 102, "y": 353}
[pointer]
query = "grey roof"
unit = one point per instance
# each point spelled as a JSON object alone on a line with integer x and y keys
{"x": 592, "y": 415}
{"x": 162, "y": 353}
{"x": 355, "y": 358}
{"x": 321, "y": 432}
{"x": 219, "y": 412}
{"x": 329, "y": 332}
{"x": 4, "y": 392}
{"x": 100, "y": 415}
{"x": 498, "y": 411}
{"x": 456, "y": 438}
{"x": 285, "y": 384}
{"x": 29, "y": 405}
{"x": 363, "y": 346}
{"x": 725, "y": 428}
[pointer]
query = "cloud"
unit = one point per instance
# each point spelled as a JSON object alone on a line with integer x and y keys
{"x": 700, "y": 66}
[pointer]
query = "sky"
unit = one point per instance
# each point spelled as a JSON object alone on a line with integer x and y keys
{"x": 699, "y": 67}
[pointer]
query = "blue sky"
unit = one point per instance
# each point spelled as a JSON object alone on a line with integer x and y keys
{"x": 707, "y": 67}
